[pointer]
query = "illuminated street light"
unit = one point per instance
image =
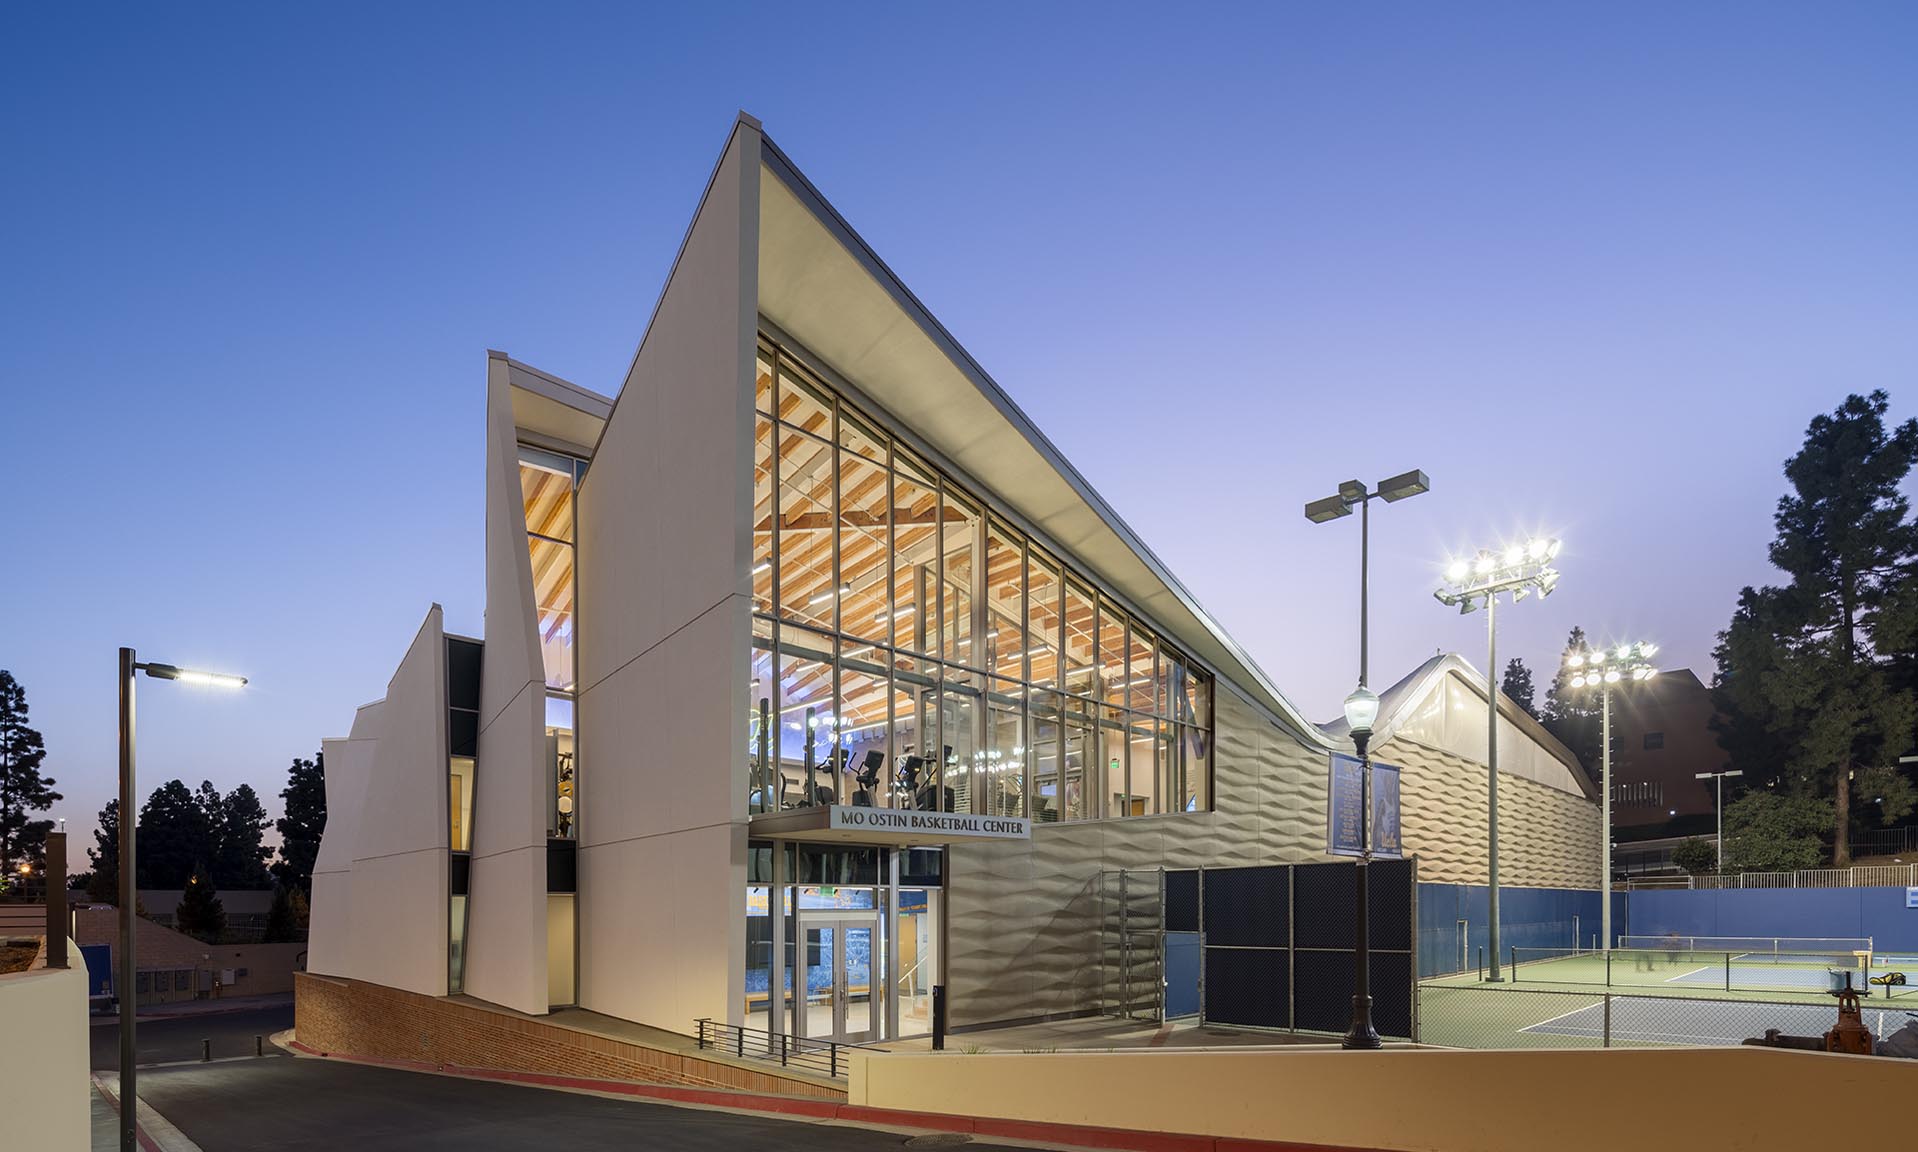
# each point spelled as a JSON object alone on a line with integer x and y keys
{"x": 1361, "y": 709}
{"x": 1720, "y": 806}
{"x": 129, "y": 1094}
{"x": 1518, "y": 570}
{"x": 1605, "y": 670}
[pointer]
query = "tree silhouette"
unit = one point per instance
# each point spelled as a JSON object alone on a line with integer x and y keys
{"x": 1806, "y": 674}
{"x": 1517, "y": 686}
{"x": 200, "y": 912}
{"x": 23, "y": 790}
{"x": 304, "y": 822}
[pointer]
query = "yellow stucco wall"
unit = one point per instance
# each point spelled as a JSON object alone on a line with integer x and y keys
{"x": 44, "y": 1090}
{"x": 1410, "y": 1100}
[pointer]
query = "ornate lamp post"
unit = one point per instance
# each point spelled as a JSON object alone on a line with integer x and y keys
{"x": 1519, "y": 570}
{"x": 1361, "y": 710}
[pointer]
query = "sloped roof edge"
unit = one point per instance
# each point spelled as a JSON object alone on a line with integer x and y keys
{"x": 1249, "y": 679}
{"x": 1399, "y": 702}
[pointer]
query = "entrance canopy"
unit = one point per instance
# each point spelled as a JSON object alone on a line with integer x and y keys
{"x": 897, "y": 827}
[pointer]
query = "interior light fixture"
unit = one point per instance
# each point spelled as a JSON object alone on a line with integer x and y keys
{"x": 762, "y": 566}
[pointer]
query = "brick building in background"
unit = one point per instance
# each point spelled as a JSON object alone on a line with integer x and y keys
{"x": 1661, "y": 739}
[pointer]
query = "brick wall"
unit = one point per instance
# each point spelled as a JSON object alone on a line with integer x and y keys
{"x": 269, "y": 967}
{"x": 353, "y": 1018}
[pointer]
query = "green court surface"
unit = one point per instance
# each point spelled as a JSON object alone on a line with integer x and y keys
{"x": 1666, "y": 998}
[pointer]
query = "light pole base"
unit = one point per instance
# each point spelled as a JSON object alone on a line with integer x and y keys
{"x": 1361, "y": 1035}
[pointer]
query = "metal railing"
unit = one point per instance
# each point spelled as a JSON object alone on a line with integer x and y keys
{"x": 1861, "y": 876}
{"x": 820, "y": 1057}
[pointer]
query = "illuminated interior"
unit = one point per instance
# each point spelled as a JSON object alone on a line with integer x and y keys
{"x": 913, "y": 649}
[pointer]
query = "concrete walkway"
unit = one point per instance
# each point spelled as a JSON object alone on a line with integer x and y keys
{"x": 1103, "y": 1032}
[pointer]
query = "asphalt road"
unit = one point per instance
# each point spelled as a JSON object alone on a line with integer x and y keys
{"x": 296, "y": 1105}
{"x": 178, "y": 1038}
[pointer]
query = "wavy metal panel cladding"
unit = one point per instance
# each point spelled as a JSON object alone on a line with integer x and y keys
{"x": 1027, "y": 925}
{"x": 1547, "y": 838}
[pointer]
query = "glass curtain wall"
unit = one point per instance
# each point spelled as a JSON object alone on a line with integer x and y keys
{"x": 911, "y": 649}
{"x": 549, "y": 485}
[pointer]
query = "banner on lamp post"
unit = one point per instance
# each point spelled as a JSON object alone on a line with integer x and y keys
{"x": 1345, "y": 801}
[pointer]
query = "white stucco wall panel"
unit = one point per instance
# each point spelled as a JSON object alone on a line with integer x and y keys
{"x": 663, "y": 915}
{"x": 664, "y": 511}
{"x": 348, "y": 763}
{"x": 506, "y": 894}
{"x": 398, "y": 915}
{"x": 399, "y": 878}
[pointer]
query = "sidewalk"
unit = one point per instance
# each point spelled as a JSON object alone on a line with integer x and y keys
{"x": 187, "y": 1008}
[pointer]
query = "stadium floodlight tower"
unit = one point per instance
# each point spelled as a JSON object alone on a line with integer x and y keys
{"x": 1361, "y": 710}
{"x": 1605, "y": 669}
{"x": 1517, "y": 570}
{"x": 1718, "y": 852}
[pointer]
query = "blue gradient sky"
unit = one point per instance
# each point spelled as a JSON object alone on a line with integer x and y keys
{"x": 1592, "y": 267}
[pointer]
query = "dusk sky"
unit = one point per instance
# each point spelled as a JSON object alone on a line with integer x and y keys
{"x": 1591, "y": 267}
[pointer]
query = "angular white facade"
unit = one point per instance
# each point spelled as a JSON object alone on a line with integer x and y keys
{"x": 812, "y": 614}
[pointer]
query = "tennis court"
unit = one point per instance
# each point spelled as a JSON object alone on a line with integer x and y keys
{"x": 1666, "y": 969}
{"x": 1640, "y": 1020}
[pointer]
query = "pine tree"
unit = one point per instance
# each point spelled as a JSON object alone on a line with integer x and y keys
{"x": 280, "y": 925}
{"x": 172, "y": 837}
{"x": 304, "y": 822}
{"x": 1573, "y": 716}
{"x": 1806, "y": 678}
{"x": 23, "y": 790}
{"x": 200, "y": 912}
{"x": 239, "y": 859}
{"x": 1517, "y": 687}
{"x": 104, "y": 886}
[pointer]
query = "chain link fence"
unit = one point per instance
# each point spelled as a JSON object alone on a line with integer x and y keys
{"x": 1477, "y": 1016}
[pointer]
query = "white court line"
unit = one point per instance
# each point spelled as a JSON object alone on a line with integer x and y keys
{"x": 1562, "y": 1015}
{"x": 1688, "y": 975}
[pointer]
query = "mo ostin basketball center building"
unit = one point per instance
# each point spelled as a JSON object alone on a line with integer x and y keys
{"x": 808, "y": 615}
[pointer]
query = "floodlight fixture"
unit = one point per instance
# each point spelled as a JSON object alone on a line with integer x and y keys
{"x": 1604, "y": 668}
{"x": 1330, "y": 508}
{"x": 1403, "y": 485}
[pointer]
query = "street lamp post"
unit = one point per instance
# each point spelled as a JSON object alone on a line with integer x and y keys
{"x": 1519, "y": 569}
{"x": 1361, "y": 711}
{"x": 1719, "y": 806}
{"x": 129, "y": 893}
{"x": 1605, "y": 669}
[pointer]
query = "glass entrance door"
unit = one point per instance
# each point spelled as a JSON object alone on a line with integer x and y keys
{"x": 843, "y": 988}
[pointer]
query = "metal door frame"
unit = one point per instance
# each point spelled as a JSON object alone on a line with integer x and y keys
{"x": 839, "y": 920}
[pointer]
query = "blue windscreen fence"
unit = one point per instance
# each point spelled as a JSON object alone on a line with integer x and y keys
{"x": 1454, "y": 922}
{"x": 1879, "y": 913}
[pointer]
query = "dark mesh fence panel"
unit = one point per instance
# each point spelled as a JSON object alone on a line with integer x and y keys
{"x": 1322, "y": 994}
{"x": 1392, "y": 994}
{"x": 1181, "y": 901}
{"x": 1246, "y": 907}
{"x": 1325, "y": 894}
{"x": 1246, "y": 986}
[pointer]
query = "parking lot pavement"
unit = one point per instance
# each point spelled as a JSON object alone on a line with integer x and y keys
{"x": 303, "y": 1104}
{"x": 178, "y": 1038}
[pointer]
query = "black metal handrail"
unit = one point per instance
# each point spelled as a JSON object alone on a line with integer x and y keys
{"x": 822, "y": 1057}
